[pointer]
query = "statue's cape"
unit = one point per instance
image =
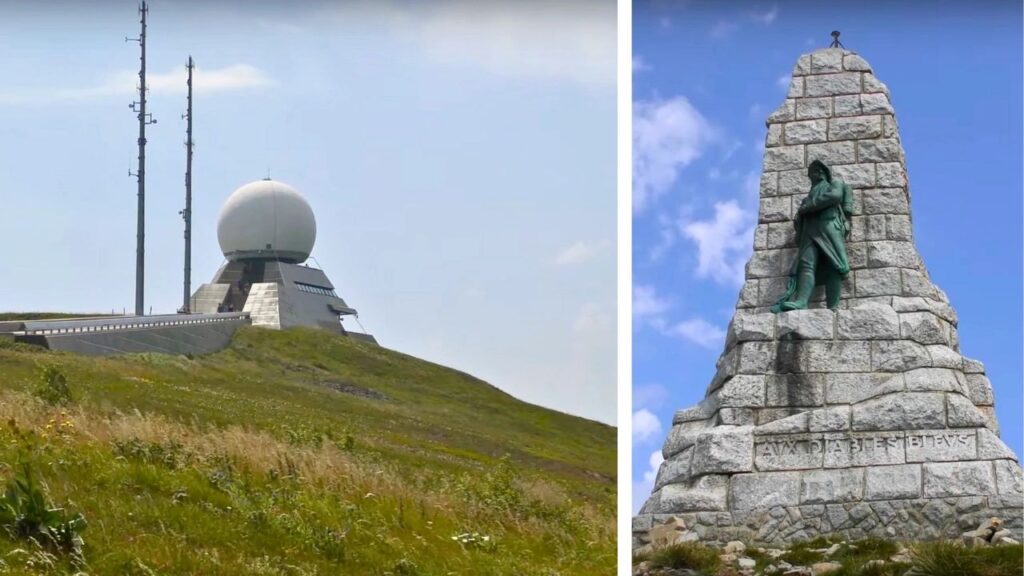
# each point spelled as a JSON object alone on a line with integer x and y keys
{"x": 828, "y": 233}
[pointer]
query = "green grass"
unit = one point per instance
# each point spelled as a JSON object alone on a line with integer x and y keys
{"x": 251, "y": 461}
{"x": 950, "y": 559}
{"x": 687, "y": 555}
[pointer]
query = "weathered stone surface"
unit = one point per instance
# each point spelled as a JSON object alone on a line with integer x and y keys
{"x": 746, "y": 326}
{"x": 875, "y": 104}
{"x": 823, "y": 356}
{"x": 961, "y": 412}
{"x": 831, "y": 486}
{"x": 775, "y": 209}
{"x": 743, "y": 391}
{"x": 806, "y": 132}
{"x": 790, "y": 424}
{"x": 811, "y": 108}
{"x": 796, "y": 88}
{"x": 923, "y": 327}
{"x": 932, "y": 379}
{"x": 784, "y": 158}
{"x": 942, "y": 480}
{"x": 856, "y": 175}
{"x": 854, "y": 127}
{"x": 916, "y": 283}
{"x": 784, "y": 113}
{"x": 764, "y": 490}
{"x": 806, "y": 324}
{"x": 972, "y": 366}
{"x": 674, "y": 469}
{"x": 704, "y": 493}
{"x": 909, "y": 410}
{"x": 1008, "y": 477}
{"x": 945, "y": 357}
{"x": 794, "y": 182}
{"x": 700, "y": 411}
{"x": 899, "y": 254}
{"x": 878, "y": 282}
{"x": 873, "y": 84}
{"x": 756, "y": 357}
{"x": 898, "y": 355}
{"x": 736, "y": 417}
{"x": 832, "y": 84}
{"x": 846, "y": 105}
{"x": 832, "y": 153}
{"x": 723, "y": 449}
{"x": 979, "y": 390}
{"x": 683, "y": 436}
{"x": 881, "y": 150}
{"x": 898, "y": 227}
{"x": 868, "y": 322}
{"x": 892, "y": 482}
{"x": 829, "y": 419}
{"x": 941, "y": 445}
{"x": 827, "y": 60}
{"x": 885, "y": 201}
{"x": 891, "y": 174}
{"x": 846, "y": 388}
{"x": 781, "y": 235}
{"x": 855, "y": 62}
{"x": 990, "y": 447}
{"x": 794, "y": 390}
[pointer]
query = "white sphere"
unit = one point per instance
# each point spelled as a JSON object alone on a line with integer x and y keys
{"x": 266, "y": 219}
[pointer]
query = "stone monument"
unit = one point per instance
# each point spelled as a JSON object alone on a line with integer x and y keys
{"x": 860, "y": 421}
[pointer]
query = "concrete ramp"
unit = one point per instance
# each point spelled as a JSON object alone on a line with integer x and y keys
{"x": 170, "y": 334}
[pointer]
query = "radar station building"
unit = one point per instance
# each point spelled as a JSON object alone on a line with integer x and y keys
{"x": 266, "y": 230}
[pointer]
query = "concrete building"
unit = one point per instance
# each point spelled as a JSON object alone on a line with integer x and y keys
{"x": 266, "y": 231}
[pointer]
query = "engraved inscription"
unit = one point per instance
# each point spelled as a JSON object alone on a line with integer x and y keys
{"x": 846, "y": 449}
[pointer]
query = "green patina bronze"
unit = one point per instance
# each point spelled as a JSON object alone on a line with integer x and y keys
{"x": 821, "y": 227}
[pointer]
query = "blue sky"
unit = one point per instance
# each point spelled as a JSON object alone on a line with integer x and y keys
{"x": 705, "y": 77}
{"x": 459, "y": 157}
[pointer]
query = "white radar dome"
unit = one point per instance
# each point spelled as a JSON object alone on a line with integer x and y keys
{"x": 266, "y": 219}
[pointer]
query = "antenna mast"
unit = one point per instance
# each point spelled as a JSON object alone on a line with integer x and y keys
{"x": 187, "y": 212}
{"x": 140, "y": 175}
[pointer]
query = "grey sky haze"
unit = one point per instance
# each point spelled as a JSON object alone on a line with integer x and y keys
{"x": 460, "y": 159}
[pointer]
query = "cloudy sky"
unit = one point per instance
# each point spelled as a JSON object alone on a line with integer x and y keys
{"x": 705, "y": 77}
{"x": 459, "y": 157}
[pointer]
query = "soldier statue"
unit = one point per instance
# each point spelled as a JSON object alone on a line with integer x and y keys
{"x": 822, "y": 225}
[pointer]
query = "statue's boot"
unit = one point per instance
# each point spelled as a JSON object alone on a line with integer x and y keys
{"x": 804, "y": 286}
{"x": 833, "y": 289}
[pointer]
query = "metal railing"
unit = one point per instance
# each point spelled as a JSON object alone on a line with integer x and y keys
{"x": 52, "y": 327}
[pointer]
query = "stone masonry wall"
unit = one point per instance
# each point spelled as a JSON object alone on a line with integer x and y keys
{"x": 861, "y": 421}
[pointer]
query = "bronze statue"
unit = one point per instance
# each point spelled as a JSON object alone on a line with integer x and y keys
{"x": 821, "y": 227}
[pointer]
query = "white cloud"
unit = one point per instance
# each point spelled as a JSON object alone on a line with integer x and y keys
{"x": 646, "y": 426}
{"x": 766, "y": 17}
{"x": 698, "y": 331}
{"x": 576, "y": 253}
{"x": 642, "y": 487}
{"x": 125, "y": 83}
{"x": 648, "y": 307}
{"x": 783, "y": 81}
{"x": 667, "y": 136}
{"x": 639, "y": 65}
{"x": 723, "y": 243}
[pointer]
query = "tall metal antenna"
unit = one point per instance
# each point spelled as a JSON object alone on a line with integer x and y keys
{"x": 140, "y": 174}
{"x": 187, "y": 212}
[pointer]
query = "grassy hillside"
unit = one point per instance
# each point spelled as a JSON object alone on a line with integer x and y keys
{"x": 297, "y": 452}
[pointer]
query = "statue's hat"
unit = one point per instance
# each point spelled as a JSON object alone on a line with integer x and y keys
{"x": 824, "y": 168}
